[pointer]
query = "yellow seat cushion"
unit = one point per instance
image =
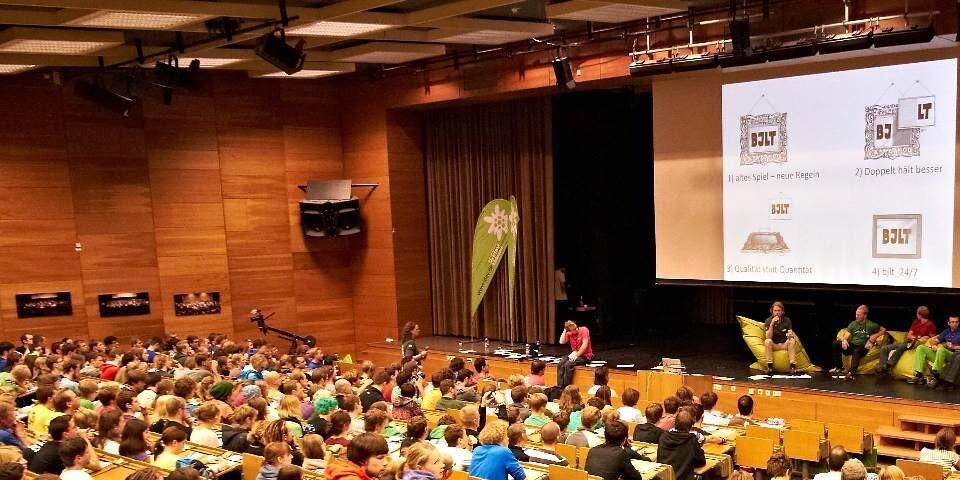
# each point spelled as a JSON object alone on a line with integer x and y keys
{"x": 754, "y": 335}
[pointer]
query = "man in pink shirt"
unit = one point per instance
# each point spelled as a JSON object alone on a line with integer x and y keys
{"x": 582, "y": 351}
{"x": 920, "y": 330}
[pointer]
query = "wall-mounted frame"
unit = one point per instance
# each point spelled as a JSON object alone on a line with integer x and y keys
{"x": 124, "y": 304}
{"x": 51, "y": 304}
{"x": 197, "y": 303}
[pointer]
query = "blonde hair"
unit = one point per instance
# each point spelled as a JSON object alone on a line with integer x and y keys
{"x": 419, "y": 455}
{"x": 289, "y": 407}
{"x": 891, "y": 472}
{"x": 207, "y": 412}
{"x": 168, "y": 406}
{"x": 20, "y": 373}
{"x": 515, "y": 380}
{"x": 494, "y": 433}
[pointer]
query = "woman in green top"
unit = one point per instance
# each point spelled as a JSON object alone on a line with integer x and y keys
{"x": 409, "y": 345}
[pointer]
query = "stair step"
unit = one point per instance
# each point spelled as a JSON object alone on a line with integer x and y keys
{"x": 927, "y": 420}
{"x": 894, "y": 432}
{"x": 898, "y": 452}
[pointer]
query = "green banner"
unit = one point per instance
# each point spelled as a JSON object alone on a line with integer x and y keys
{"x": 512, "y": 255}
{"x": 489, "y": 244}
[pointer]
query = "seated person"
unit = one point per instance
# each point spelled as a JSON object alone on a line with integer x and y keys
{"x": 537, "y": 368}
{"x": 711, "y": 415}
{"x": 75, "y": 455}
{"x": 670, "y": 406}
{"x": 680, "y": 449}
{"x": 920, "y": 331}
{"x": 465, "y": 387}
{"x": 629, "y": 412}
{"x": 611, "y": 461}
{"x": 861, "y": 335}
{"x": 778, "y": 466}
{"x": 941, "y": 351}
{"x": 539, "y": 416}
{"x": 483, "y": 371}
{"x": 601, "y": 376}
{"x": 943, "y": 452}
{"x": 745, "y": 412}
{"x": 447, "y": 396}
{"x": 546, "y": 452}
{"x": 586, "y": 435}
{"x": 516, "y": 435}
{"x": 367, "y": 457}
{"x": 836, "y": 459}
{"x": 518, "y": 395}
{"x": 458, "y": 446}
{"x": 853, "y": 469}
{"x": 779, "y": 336}
{"x": 649, "y": 432}
{"x": 492, "y": 460}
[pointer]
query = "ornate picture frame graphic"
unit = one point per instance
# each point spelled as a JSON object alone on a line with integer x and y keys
{"x": 773, "y": 120}
{"x": 917, "y": 226}
{"x": 871, "y": 151}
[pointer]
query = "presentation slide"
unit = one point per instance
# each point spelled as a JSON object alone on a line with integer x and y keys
{"x": 841, "y": 178}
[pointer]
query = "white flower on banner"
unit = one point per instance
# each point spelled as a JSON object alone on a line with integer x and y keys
{"x": 498, "y": 222}
{"x": 514, "y": 221}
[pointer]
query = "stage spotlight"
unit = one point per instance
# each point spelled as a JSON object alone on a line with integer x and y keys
{"x": 730, "y": 60}
{"x": 903, "y": 36}
{"x": 170, "y": 74}
{"x": 845, "y": 42}
{"x": 639, "y": 68}
{"x": 97, "y": 92}
{"x": 563, "y": 73}
{"x": 791, "y": 50}
{"x": 696, "y": 61}
{"x": 278, "y": 53}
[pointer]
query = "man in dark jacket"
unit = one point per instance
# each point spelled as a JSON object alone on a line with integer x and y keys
{"x": 374, "y": 393}
{"x": 611, "y": 461}
{"x": 649, "y": 432}
{"x": 680, "y": 448}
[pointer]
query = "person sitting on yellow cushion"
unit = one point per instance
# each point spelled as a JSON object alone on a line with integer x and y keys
{"x": 860, "y": 336}
{"x": 920, "y": 330}
{"x": 779, "y": 336}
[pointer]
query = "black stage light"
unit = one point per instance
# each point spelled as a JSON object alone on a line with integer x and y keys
{"x": 845, "y": 42}
{"x": 740, "y": 36}
{"x": 563, "y": 73}
{"x": 641, "y": 68}
{"x": 696, "y": 61}
{"x": 278, "y": 53}
{"x": 170, "y": 74}
{"x": 729, "y": 60}
{"x": 94, "y": 90}
{"x": 791, "y": 50}
{"x": 903, "y": 36}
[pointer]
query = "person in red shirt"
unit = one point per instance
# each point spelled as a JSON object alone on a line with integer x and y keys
{"x": 582, "y": 351}
{"x": 920, "y": 330}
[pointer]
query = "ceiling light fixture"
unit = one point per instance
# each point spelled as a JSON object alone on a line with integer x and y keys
{"x": 278, "y": 53}
{"x": 904, "y": 36}
{"x": 136, "y": 20}
{"x": 11, "y": 69}
{"x": 337, "y": 29}
{"x": 170, "y": 74}
{"x": 96, "y": 91}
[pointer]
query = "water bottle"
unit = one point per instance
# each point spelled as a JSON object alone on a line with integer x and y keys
{"x": 536, "y": 350}
{"x": 486, "y": 345}
{"x": 526, "y": 349}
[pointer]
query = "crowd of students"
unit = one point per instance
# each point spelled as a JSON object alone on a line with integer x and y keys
{"x": 301, "y": 413}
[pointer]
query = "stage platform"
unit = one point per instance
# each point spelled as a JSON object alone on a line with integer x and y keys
{"x": 880, "y": 407}
{"x": 720, "y": 356}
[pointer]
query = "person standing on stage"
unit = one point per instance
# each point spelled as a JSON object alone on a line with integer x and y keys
{"x": 579, "y": 340}
{"x": 861, "y": 335}
{"x": 920, "y": 330}
{"x": 409, "y": 345}
{"x": 941, "y": 351}
{"x": 779, "y": 336}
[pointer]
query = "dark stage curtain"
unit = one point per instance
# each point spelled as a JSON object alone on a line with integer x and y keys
{"x": 473, "y": 155}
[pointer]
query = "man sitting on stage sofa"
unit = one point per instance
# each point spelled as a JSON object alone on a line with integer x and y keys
{"x": 860, "y": 336}
{"x": 779, "y": 332}
{"x": 920, "y": 330}
{"x": 579, "y": 339}
{"x": 941, "y": 350}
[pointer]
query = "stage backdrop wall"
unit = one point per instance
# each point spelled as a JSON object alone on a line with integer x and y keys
{"x": 688, "y": 166}
{"x": 196, "y": 196}
{"x": 473, "y": 155}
